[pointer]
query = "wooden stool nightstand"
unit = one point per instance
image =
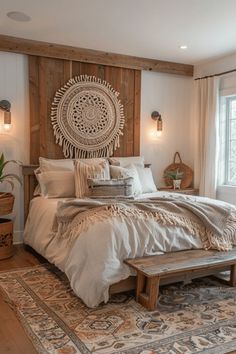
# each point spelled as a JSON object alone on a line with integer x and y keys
{"x": 189, "y": 191}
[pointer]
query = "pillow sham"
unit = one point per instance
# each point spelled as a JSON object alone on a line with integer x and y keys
{"x": 57, "y": 184}
{"x": 126, "y": 161}
{"x": 46, "y": 165}
{"x": 84, "y": 171}
{"x": 146, "y": 179}
{"x": 130, "y": 171}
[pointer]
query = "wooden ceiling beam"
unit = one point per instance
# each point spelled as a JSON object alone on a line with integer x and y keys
{"x": 53, "y": 50}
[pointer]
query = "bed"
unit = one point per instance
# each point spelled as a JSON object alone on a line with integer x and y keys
{"x": 100, "y": 269}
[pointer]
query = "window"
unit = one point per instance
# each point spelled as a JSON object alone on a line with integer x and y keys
{"x": 228, "y": 140}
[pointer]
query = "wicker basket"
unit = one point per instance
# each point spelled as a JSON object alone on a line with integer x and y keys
{"x": 187, "y": 172}
{"x": 6, "y": 238}
{"x": 6, "y": 203}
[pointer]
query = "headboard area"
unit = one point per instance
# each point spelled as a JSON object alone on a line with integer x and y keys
{"x": 47, "y": 75}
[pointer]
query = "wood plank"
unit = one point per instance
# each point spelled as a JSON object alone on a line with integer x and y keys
{"x": 122, "y": 80}
{"x": 53, "y": 73}
{"x": 52, "y": 50}
{"x": 33, "y": 63}
{"x": 137, "y": 107}
{"x": 177, "y": 262}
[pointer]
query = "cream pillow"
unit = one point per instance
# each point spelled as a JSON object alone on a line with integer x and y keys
{"x": 46, "y": 165}
{"x": 57, "y": 184}
{"x": 85, "y": 171}
{"x": 126, "y": 161}
{"x": 124, "y": 172}
{"x": 98, "y": 160}
{"x": 146, "y": 179}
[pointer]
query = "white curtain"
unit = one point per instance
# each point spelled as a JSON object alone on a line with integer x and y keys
{"x": 206, "y": 111}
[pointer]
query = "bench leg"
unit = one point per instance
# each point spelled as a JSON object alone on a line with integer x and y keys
{"x": 233, "y": 275}
{"x": 147, "y": 290}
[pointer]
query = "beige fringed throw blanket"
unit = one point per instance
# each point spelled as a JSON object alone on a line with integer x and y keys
{"x": 214, "y": 224}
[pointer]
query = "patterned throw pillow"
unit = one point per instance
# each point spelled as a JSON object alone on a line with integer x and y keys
{"x": 85, "y": 171}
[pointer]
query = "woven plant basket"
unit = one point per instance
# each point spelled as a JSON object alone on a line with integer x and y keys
{"x": 6, "y": 238}
{"x": 187, "y": 178}
{"x": 6, "y": 203}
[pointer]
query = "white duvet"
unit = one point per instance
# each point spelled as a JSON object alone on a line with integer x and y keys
{"x": 95, "y": 261}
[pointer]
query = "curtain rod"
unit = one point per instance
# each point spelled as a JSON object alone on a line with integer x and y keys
{"x": 223, "y": 73}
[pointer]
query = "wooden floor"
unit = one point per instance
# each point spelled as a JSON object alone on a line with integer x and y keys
{"x": 13, "y": 339}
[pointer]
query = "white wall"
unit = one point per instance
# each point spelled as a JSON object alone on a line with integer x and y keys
{"x": 15, "y": 144}
{"x": 227, "y": 87}
{"x": 171, "y": 96}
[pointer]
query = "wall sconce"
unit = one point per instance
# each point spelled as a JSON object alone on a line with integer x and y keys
{"x": 5, "y": 106}
{"x": 157, "y": 117}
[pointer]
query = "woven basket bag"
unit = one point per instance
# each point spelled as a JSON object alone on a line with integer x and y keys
{"x": 187, "y": 178}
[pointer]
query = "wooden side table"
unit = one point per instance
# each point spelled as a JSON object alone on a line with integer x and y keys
{"x": 6, "y": 238}
{"x": 189, "y": 191}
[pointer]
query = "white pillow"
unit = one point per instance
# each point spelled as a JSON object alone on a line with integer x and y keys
{"x": 126, "y": 161}
{"x": 124, "y": 172}
{"x": 46, "y": 165}
{"x": 146, "y": 179}
{"x": 57, "y": 184}
{"x": 85, "y": 171}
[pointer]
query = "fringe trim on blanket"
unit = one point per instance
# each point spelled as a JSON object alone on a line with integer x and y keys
{"x": 228, "y": 238}
{"x": 71, "y": 230}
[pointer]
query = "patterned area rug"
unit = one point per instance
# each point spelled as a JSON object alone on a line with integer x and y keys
{"x": 197, "y": 318}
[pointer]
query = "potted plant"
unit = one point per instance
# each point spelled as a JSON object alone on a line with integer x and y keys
{"x": 176, "y": 177}
{"x": 7, "y": 199}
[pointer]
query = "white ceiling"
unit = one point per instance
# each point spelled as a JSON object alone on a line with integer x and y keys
{"x": 146, "y": 28}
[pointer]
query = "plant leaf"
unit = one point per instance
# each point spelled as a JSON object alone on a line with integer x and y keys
{"x": 1, "y": 159}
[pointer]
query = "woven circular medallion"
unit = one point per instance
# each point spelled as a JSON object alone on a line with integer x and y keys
{"x": 87, "y": 117}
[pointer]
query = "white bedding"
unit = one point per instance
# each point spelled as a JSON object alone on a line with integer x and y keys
{"x": 96, "y": 259}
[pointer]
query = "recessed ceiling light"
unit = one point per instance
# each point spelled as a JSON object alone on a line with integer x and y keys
{"x": 184, "y": 46}
{"x": 18, "y": 16}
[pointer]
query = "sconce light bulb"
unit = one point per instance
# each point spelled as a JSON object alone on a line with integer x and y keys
{"x": 7, "y": 127}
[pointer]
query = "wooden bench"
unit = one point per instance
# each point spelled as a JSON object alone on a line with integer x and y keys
{"x": 196, "y": 263}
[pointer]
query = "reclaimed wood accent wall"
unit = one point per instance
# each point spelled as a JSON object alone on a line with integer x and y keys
{"x": 47, "y": 75}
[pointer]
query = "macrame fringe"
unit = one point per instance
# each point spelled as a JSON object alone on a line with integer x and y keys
{"x": 71, "y": 230}
{"x": 70, "y": 150}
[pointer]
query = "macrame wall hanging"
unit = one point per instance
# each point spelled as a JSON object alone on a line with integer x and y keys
{"x": 87, "y": 118}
